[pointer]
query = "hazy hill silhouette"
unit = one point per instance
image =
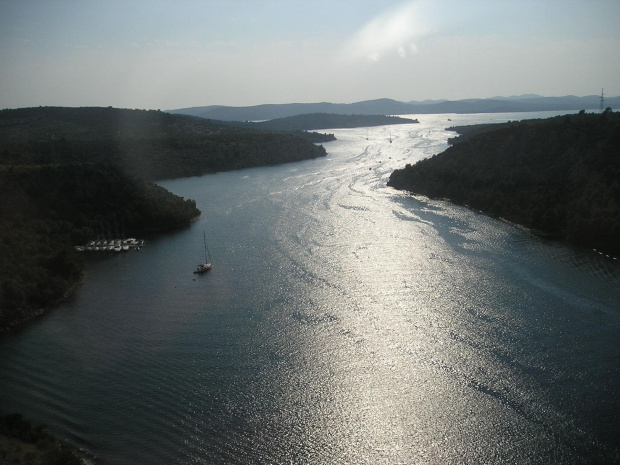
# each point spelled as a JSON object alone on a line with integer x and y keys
{"x": 525, "y": 103}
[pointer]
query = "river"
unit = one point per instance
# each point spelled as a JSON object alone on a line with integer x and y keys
{"x": 342, "y": 322}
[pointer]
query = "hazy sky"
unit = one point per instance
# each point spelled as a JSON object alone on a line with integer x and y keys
{"x": 171, "y": 54}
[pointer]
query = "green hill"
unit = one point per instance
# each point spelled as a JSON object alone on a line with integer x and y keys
{"x": 47, "y": 210}
{"x": 68, "y": 175}
{"x": 560, "y": 176}
{"x": 151, "y": 144}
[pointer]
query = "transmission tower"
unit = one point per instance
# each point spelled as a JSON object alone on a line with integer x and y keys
{"x": 602, "y": 101}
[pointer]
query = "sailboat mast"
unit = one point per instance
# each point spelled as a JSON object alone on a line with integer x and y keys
{"x": 204, "y": 238}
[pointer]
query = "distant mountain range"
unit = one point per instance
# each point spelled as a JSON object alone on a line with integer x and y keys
{"x": 522, "y": 103}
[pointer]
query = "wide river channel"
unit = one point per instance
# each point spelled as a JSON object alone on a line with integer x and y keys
{"x": 343, "y": 322}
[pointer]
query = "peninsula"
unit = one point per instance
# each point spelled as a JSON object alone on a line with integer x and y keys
{"x": 71, "y": 175}
{"x": 558, "y": 176}
{"x": 312, "y": 121}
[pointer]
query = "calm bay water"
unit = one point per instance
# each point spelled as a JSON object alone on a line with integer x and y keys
{"x": 343, "y": 322}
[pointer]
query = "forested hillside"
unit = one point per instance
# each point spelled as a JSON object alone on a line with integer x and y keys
{"x": 151, "y": 144}
{"x": 47, "y": 210}
{"x": 560, "y": 176}
{"x": 68, "y": 175}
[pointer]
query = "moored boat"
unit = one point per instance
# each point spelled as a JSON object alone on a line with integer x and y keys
{"x": 206, "y": 266}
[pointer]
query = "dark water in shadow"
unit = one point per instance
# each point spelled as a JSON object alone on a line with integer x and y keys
{"x": 343, "y": 322}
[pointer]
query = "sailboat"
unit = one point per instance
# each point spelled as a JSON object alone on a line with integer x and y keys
{"x": 206, "y": 266}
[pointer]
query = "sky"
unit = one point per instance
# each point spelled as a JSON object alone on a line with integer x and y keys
{"x": 156, "y": 54}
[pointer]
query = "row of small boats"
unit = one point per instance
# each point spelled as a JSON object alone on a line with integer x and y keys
{"x": 125, "y": 245}
{"x": 113, "y": 245}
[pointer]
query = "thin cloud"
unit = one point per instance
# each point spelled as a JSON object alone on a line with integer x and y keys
{"x": 392, "y": 33}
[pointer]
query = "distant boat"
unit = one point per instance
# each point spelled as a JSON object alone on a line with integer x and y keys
{"x": 206, "y": 266}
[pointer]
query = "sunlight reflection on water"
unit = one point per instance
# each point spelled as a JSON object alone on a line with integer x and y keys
{"x": 343, "y": 322}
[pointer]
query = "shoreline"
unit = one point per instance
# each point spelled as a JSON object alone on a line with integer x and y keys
{"x": 29, "y": 315}
{"x": 23, "y": 442}
{"x": 533, "y": 231}
{"x": 33, "y": 314}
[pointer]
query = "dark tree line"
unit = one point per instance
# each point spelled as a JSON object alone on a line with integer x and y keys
{"x": 559, "y": 176}
{"x": 169, "y": 156}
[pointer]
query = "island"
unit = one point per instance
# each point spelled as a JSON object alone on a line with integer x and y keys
{"x": 560, "y": 176}
{"x": 70, "y": 176}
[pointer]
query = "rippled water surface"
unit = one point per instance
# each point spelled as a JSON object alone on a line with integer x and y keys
{"x": 343, "y": 322}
